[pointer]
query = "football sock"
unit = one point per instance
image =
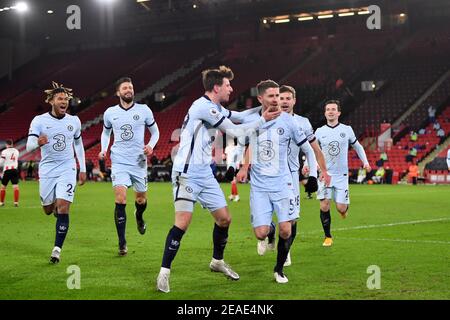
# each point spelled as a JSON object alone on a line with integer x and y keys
{"x": 271, "y": 234}
{"x": 325, "y": 217}
{"x": 220, "y": 239}
{"x": 293, "y": 232}
{"x": 283, "y": 249}
{"x": 2, "y": 195}
{"x": 120, "y": 217}
{"x": 140, "y": 208}
{"x": 172, "y": 245}
{"x": 16, "y": 195}
{"x": 62, "y": 227}
{"x": 234, "y": 190}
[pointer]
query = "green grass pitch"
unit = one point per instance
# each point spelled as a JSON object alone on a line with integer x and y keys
{"x": 404, "y": 230}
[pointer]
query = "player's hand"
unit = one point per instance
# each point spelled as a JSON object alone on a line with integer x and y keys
{"x": 271, "y": 113}
{"x": 325, "y": 177}
{"x": 42, "y": 140}
{"x": 242, "y": 175}
{"x": 311, "y": 186}
{"x": 101, "y": 155}
{"x": 305, "y": 170}
{"x": 81, "y": 178}
{"x": 368, "y": 168}
{"x": 148, "y": 151}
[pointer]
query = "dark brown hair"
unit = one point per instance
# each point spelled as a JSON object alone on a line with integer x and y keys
{"x": 212, "y": 77}
{"x": 337, "y": 102}
{"x": 285, "y": 88}
{"x": 122, "y": 80}
{"x": 264, "y": 85}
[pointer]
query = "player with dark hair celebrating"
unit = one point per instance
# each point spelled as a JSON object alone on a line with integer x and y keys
{"x": 128, "y": 121}
{"x": 57, "y": 134}
{"x": 334, "y": 139}
{"x": 192, "y": 177}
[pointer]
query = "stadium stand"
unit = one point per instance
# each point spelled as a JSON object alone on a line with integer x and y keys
{"x": 320, "y": 63}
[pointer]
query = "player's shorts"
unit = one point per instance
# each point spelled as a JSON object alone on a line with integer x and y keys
{"x": 10, "y": 175}
{"x": 62, "y": 187}
{"x": 337, "y": 191}
{"x": 127, "y": 176}
{"x": 264, "y": 203}
{"x": 296, "y": 190}
{"x": 206, "y": 190}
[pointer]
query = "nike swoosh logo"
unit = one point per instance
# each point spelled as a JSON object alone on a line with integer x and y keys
{"x": 115, "y": 118}
{"x": 48, "y": 127}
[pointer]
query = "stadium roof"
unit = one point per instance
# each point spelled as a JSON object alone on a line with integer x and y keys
{"x": 45, "y": 20}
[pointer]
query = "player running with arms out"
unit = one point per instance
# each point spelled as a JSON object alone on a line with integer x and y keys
{"x": 128, "y": 121}
{"x": 57, "y": 134}
{"x": 192, "y": 177}
{"x": 271, "y": 185}
{"x": 334, "y": 139}
{"x": 9, "y": 160}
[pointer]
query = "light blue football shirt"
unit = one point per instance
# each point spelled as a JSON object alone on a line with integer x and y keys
{"x": 335, "y": 142}
{"x": 269, "y": 150}
{"x": 57, "y": 156}
{"x": 198, "y": 133}
{"x": 128, "y": 126}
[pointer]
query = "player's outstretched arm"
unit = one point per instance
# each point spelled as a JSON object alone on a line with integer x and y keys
{"x": 299, "y": 137}
{"x": 239, "y": 116}
{"x": 154, "y": 132}
{"x": 311, "y": 185}
{"x": 362, "y": 155}
{"x": 235, "y": 130}
{"x": 106, "y": 135}
{"x": 321, "y": 161}
{"x": 79, "y": 152}
{"x": 310, "y": 157}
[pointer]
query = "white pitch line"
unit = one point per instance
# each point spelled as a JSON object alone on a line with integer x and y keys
{"x": 389, "y": 240}
{"x": 397, "y": 240}
{"x": 370, "y": 226}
